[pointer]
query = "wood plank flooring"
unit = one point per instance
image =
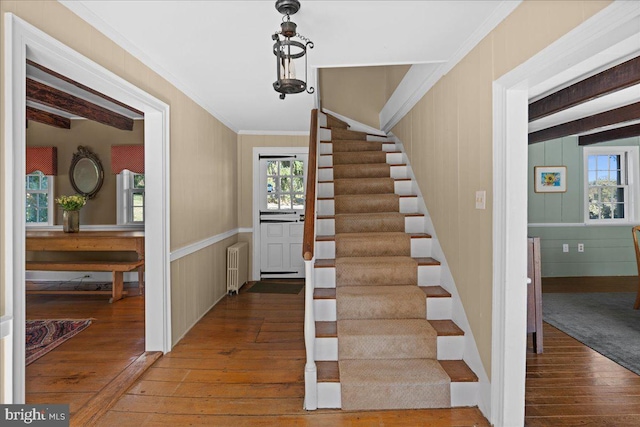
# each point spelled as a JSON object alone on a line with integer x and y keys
{"x": 77, "y": 370}
{"x": 243, "y": 365}
{"x": 573, "y": 385}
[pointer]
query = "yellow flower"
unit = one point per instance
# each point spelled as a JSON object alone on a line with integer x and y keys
{"x": 71, "y": 203}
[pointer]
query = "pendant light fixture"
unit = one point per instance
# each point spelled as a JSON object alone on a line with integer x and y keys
{"x": 288, "y": 51}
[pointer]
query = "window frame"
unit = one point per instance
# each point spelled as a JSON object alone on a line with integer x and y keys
{"x": 631, "y": 157}
{"x": 125, "y": 192}
{"x": 50, "y": 200}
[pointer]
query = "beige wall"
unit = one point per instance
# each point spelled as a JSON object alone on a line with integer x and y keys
{"x": 448, "y": 137}
{"x": 203, "y": 160}
{"x": 360, "y": 92}
{"x": 98, "y": 138}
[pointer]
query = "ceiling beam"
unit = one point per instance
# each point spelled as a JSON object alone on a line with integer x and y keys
{"x": 616, "y": 78}
{"x": 81, "y": 86}
{"x": 55, "y": 98}
{"x": 610, "y": 135}
{"x": 585, "y": 124}
{"x": 48, "y": 118}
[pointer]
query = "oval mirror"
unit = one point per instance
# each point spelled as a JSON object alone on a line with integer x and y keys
{"x": 86, "y": 173}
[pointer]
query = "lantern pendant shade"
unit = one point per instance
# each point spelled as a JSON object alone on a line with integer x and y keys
{"x": 288, "y": 51}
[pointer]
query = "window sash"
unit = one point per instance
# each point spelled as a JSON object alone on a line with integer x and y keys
{"x": 50, "y": 203}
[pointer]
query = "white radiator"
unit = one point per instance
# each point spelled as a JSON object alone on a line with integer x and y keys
{"x": 237, "y": 266}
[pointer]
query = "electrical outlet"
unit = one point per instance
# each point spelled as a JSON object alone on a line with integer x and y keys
{"x": 580, "y": 247}
{"x": 565, "y": 247}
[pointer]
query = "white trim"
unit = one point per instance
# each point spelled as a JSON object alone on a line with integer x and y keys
{"x": 424, "y": 76}
{"x": 355, "y": 125}
{"x": 581, "y": 224}
{"x": 274, "y": 132}
{"x": 5, "y": 326}
{"x": 245, "y": 230}
{"x": 255, "y": 162}
{"x": 616, "y": 22}
{"x": 204, "y": 243}
{"x": 22, "y": 38}
{"x": 95, "y": 21}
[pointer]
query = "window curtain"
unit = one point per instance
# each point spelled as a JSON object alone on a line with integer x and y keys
{"x": 43, "y": 159}
{"x": 129, "y": 157}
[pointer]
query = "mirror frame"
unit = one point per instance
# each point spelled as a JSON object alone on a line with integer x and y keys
{"x": 85, "y": 153}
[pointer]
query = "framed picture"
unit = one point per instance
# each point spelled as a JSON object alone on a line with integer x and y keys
{"x": 550, "y": 179}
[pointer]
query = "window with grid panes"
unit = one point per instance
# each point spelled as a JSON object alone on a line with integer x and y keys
{"x": 610, "y": 184}
{"x": 130, "y": 197}
{"x": 39, "y": 199}
{"x": 285, "y": 185}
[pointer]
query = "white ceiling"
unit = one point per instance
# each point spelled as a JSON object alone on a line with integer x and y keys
{"x": 219, "y": 52}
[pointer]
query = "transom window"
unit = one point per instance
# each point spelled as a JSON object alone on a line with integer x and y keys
{"x": 610, "y": 183}
{"x": 39, "y": 199}
{"x": 285, "y": 185}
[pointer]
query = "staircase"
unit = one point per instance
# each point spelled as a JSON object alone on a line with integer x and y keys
{"x": 384, "y": 338}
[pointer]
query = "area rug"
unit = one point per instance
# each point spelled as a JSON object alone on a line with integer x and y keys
{"x": 604, "y": 321}
{"x": 267, "y": 287}
{"x": 45, "y": 335}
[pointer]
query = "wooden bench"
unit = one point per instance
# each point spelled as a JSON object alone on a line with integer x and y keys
{"x": 118, "y": 268}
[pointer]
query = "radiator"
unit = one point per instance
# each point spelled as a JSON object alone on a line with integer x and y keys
{"x": 237, "y": 266}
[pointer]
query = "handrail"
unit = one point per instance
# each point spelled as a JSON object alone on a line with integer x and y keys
{"x": 310, "y": 200}
{"x": 308, "y": 240}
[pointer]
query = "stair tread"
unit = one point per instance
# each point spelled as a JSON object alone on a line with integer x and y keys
{"x": 458, "y": 371}
{"x": 446, "y": 328}
{"x": 334, "y": 217}
{"x": 352, "y": 179}
{"x": 355, "y": 153}
{"x": 326, "y": 329}
{"x": 331, "y": 262}
{"x": 435, "y": 292}
{"x": 324, "y": 293}
{"x": 328, "y": 371}
{"x": 332, "y": 237}
{"x": 390, "y": 164}
{"x": 401, "y": 196}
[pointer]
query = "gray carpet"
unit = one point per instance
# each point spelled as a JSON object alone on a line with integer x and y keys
{"x": 606, "y": 322}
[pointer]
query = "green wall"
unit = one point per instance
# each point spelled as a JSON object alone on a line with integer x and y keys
{"x": 608, "y": 250}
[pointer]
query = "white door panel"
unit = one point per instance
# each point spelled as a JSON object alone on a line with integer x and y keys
{"x": 282, "y": 185}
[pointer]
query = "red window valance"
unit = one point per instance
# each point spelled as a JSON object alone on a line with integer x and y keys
{"x": 43, "y": 159}
{"x": 129, "y": 157}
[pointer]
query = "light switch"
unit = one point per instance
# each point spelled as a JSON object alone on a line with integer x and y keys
{"x": 481, "y": 197}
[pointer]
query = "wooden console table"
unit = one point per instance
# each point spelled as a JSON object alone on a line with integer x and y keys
{"x": 89, "y": 241}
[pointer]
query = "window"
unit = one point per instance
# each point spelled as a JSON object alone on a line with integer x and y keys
{"x": 39, "y": 198}
{"x": 130, "y": 195}
{"x": 611, "y": 184}
{"x": 285, "y": 185}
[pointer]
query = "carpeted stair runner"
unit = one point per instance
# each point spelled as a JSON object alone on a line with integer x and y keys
{"x": 386, "y": 347}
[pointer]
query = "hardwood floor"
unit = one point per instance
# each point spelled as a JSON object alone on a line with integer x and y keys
{"x": 243, "y": 365}
{"x": 573, "y": 385}
{"x": 77, "y": 370}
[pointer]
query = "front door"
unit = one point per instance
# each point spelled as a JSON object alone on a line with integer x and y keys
{"x": 282, "y": 186}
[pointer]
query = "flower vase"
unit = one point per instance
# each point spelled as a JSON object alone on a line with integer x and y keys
{"x": 71, "y": 221}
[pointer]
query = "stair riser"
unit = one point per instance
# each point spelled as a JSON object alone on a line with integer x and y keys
{"x": 412, "y": 224}
{"x": 402, "y": 188}
{"x": 325, "y": 310}
{"x": 428, "y": 275}
{"x": 324, "y": 135}
{"x": 386, "y": 347}
{"x": 407, "y": 205}
{"x": 397, "y": 172}
{"x": 449, "y": 348}
{"x": 462, "y": 394}
{"x": 392, "y": 158}
{"x": 420, "y": 247}
{"x": 327, "y": 147}
{"x": 322, "y": 120}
